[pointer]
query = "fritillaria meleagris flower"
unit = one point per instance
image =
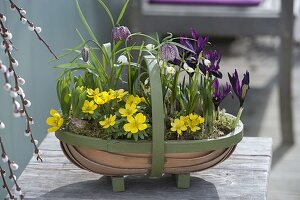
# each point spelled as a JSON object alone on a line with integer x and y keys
{"x": 120, "y": 33}
{"x": 85, "y": 54}
{"x": 240, "y": 89}
{"x": 169, "y": 52}
{"x": 218, "y": 94}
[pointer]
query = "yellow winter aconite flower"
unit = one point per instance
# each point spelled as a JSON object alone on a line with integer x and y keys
{"x": 120, "y": 94}
{"x": 193, "y": 116}
{"x": 193, "y": 121}
{"x": 200, "y": 120}
{"x": 112, "y": 94}
{"x": 117, "y": 94}
{"x": 135, "y": 124}
{"x": 178, "y": 126}
{"x": 92, "y": 93}
{"x": 108, "y": 122}
{"x": 102, "y": 98}
{"x": 193, "y": 125}
{"x": 56, "y": 121}
{"x": 89, "y": 107}
{"x": 129, "y": 110}
{"x": 133, "y": 100}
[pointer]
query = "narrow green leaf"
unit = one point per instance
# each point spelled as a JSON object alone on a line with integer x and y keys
{"x": 108, "y": 12}
{"x": 81, "y": 36}
{"x": 85, "y": 23}
{"x": 136, "y": 137}
{"x": 68, "y": 52}
{"x": 122, "y": 12}
{"x": 63, "y": 66}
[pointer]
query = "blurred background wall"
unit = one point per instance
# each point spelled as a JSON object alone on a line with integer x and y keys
{"x": 59, "y": 20}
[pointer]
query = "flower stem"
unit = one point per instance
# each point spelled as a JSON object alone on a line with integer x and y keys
{"x": 208, "y": 107}
{"x": 238, "y": 116}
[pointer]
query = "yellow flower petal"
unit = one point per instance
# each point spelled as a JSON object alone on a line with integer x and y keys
{"x": 140, "y": 118}
{"x": 51, "y": 121}
{"x": 130, "y": 128}
{"x": 60, "y": 122}
{"x": 195, "y": 128}
{"x": 179, "y": 132}
{"x": 183, "y": 128}
{"x": 52, "y": 129}
{"x": 112, "y": 123}
{"x": 130, "y": 119}
{"x": 201, "y": 120}
{"x": 53, "y": 112}
{"x": 122, "y": 111}
{"x": 142, "y": 127}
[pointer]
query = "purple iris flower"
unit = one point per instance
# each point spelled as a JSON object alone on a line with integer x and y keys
{"x": 196, "y": 45}
{"x": 240, "y": 89}
{"x": 218, "y": 94}
{"x": 169, "y": 52}
{"x": 214, "y": 64}
{"x": 120, "y": 33}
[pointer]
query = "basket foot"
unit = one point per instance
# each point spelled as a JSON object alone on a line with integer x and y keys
{"x": 183, "y": 181}
{"x": 118, "y": 183}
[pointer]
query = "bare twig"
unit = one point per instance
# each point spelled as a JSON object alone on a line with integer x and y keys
{"x": 23, "y": 19}
{"x": 11, "y": 166}
{"x": 12, "y": 63}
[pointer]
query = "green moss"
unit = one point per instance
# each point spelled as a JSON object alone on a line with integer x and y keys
{"x": 221, "y": 127}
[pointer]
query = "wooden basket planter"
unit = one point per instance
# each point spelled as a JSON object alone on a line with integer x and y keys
{"x": 117, "y": 158}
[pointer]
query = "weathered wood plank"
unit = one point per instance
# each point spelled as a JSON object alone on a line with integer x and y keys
{"x": 243, "y": 176}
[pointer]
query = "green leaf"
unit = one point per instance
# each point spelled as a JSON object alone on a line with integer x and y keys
{"x": 108, "y": 12}
{"x": 63, "y": 66}
{"x": 89, "y": 81}
{"x": 138, "y": 80}
{"x": 107, "y": 48}
{"x": 118, "y": 76}
{"x": 63, "y": 94}
{"x": 136, "y": 137}
{"x": 170, "y": 35}
{"x": 141, "y": 135}
{"x": 85, "y": 23}
{"x": 81, "y": 36}
{"x": 69, "y": 51}
{"x": 67, "y": 98}
{"x": 122, "y": 12}
{"x": 116, "y": 46}
{"x": 78, "y": 81}
{"x": 78, "y": 97}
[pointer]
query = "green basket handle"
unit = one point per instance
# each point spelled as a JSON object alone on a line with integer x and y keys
{"x": 158, "y": 118}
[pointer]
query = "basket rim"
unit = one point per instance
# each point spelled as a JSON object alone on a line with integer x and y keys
{"x": 145, "y": 147}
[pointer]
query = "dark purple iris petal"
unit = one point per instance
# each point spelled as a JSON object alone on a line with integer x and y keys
{"x": 201, "y": 43}
{"x": 185, "y": 42}
{"x": 218, "y": 94}
{"x": 194, "y": 34}
{"x": 169, "y": 52}
{"x": 240, "y": 89}
{"x": 120, "y": 33}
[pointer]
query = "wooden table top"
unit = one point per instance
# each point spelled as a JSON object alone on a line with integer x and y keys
{"x": 242, "y": 176}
